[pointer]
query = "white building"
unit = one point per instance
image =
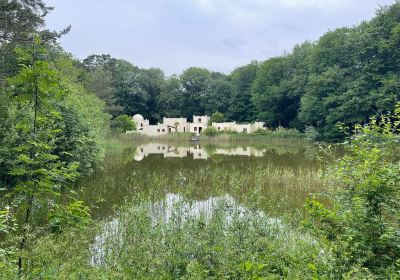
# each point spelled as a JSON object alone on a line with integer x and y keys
{"x": 199, "y": 123}
{"x": 177, "y": 124}
{"x": 241, "y": 128}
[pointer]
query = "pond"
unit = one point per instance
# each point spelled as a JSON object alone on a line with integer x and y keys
{"x": 276, "y": 176}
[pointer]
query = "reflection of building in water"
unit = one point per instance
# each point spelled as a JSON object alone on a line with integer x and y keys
{"x": 197, "y": 151}
{"x": 240, "y": 151}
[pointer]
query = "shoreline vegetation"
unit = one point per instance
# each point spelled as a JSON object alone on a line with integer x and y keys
{"x": 212, "y": 135}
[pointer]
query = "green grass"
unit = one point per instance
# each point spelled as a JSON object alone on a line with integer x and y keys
{"x": 212, "y": 135}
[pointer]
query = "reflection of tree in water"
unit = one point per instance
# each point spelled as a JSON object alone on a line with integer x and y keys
{"x": 278, "y": 179}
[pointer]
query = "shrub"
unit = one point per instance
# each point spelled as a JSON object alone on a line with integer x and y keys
{"x": 362, "y": 227}
{"x": 123, "y": 123}
{"x": 210, "y": 131}
{"x": 217, "y": 117}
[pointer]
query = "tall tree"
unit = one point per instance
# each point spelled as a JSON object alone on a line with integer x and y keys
{"x": 195, "y": 83}
{"x": 241, "y": 107}
{"x": 217, "y": 94}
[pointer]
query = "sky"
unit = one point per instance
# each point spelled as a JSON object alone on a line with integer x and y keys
{"x": 219, "y": 35}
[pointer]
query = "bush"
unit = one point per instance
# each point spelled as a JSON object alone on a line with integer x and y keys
{"x": 123, "y": 123}
{"x": 210, "y": 131}
{"x": 217, "y": 117}
{"x": 280, "y": 132}
{"x": 362, "y": 227}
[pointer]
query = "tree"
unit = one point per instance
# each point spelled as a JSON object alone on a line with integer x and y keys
{"x": 18, "y": 19}
{"x": 129, "y": 91}
{"x": 279, "y": 85}
{"x": 36, "y": 168}
{"x": 217, "y": 117}
{"x": 217, "y": 94}
{"x": 151, "y": 80}
{"x": 123, "y": 123}
{"x": 241, "y": 107}
{"x": 170, "y": 100}
{"x": 195, "y": 82}
{"x": 361, "y": 226}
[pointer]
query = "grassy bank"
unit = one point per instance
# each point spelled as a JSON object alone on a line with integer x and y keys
{"x": 212, "y": 135}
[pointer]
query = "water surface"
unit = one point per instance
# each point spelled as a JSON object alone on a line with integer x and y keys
{"x": 278, "y": 174}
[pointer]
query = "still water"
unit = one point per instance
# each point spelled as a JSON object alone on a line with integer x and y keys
{"x": 278, "y": 175}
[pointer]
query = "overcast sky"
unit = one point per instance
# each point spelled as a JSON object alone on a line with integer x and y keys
{"x": 216, "y": 34}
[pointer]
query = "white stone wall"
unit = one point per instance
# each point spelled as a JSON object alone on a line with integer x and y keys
{"x": 198, "y": 125}
{"x": 197, "y": 128}
{"x": 155, "y": 130}
{"x": 201, "y": 120}
{"x": 241, "y": 128}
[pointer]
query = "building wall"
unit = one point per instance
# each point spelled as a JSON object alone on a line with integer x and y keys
{"x": 173, "y": 121}
{"x": 201, "y": 120}
{"x": 256, "y": 126}
{"x": 241, "y": 128}
{"x": 155, "y": 130}
{"x": 197, "y": 128}
{"x": 180, "y": 124}
{"x": 233, "y": 126}
{"x": 199, "y": 124}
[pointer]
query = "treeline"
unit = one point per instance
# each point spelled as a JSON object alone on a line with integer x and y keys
{"x": 348, "y": 75}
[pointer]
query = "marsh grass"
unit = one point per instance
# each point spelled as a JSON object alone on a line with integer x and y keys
{"x": 221, "y": 136}
{"x": 227, "y": 242}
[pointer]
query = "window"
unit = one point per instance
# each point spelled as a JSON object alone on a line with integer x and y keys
{"x": 199, "y": 119}
{"x": 163, "y": 130}
{"x": 245, "y": 130}
{"x": 219, "y": 128}
{"x": 158, "y": 130}
{"x": 184, "y": 129}
{"x": 195, "y": 128}
{"x": 141, "y": 125}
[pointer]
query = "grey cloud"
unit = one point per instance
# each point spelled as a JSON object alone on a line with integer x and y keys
{"x": 216, "y": 34}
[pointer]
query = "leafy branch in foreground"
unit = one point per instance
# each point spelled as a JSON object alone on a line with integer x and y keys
{"x": 37, "y": 172}
{"x": 362, "y": 227}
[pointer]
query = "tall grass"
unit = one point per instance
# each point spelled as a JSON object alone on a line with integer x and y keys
{"x": 231, "y": 242}
{"x": 212, "y": 135}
